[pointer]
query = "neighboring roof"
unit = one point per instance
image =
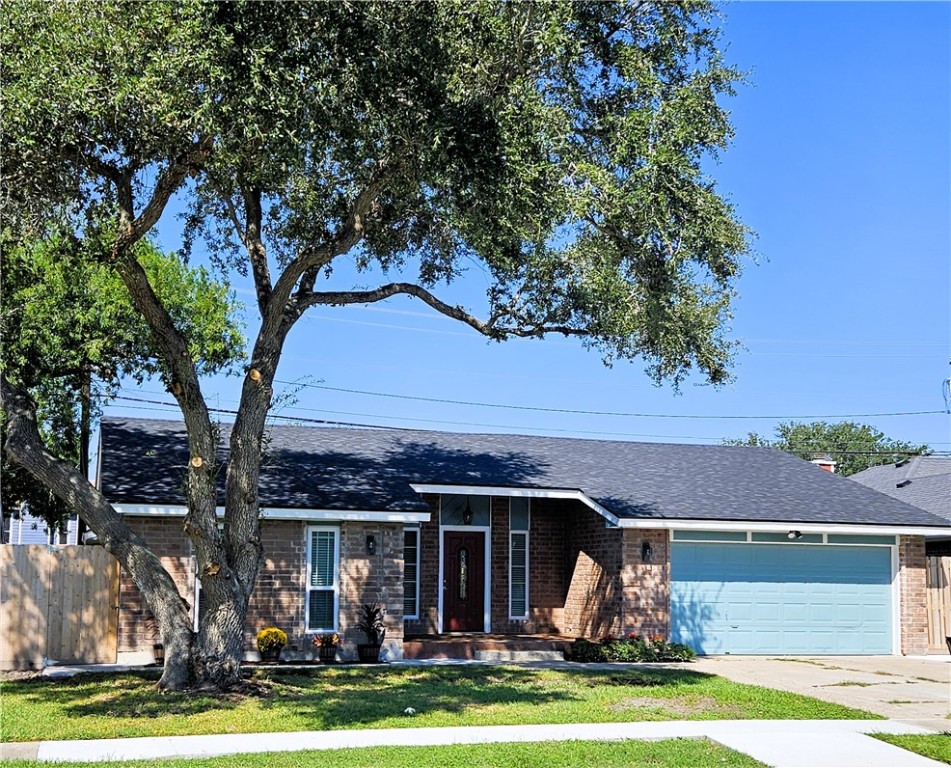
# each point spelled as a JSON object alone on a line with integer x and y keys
{"x": 144, "y": 462}
{"x": 924, "y": 481}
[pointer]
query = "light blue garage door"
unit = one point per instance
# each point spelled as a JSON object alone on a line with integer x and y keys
{"x": 782, "y": 599}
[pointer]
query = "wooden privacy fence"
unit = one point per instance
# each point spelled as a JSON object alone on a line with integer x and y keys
{"x": 939, "y": 602}
{"x": 57, "y": 603}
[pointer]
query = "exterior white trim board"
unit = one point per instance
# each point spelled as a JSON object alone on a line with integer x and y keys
{"x": 279, "y": 513}
{"x": 775, "y": 527}
{"x": 531, "y": 493}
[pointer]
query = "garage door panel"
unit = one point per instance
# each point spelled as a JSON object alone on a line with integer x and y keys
{"x": 775, "y": 598}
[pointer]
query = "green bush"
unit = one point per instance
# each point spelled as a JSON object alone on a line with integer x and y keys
{"x": 632, "y": 648}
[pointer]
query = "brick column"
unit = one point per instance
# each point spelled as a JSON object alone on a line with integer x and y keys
{"x": 912, "y": 574}
{"x": 646, "y": 586}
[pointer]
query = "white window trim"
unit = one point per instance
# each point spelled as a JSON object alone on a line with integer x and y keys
{"x": 311, "y": 530}
{"x": 527, "y": 534}
{"x": 416, "y": 529}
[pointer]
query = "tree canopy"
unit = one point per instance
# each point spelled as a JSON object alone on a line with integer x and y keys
{"x": 71, "y": 334}
{"x": 560, "y": 148}
{"x": 852, "y": 446}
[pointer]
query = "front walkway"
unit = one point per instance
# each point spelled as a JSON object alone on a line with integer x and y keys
{"x": 779, "y": 743}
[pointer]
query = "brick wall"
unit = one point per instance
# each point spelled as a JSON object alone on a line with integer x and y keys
{"x": 428, "y": 574}
{"x": 138, "y": 630}
{"x": 371, "y": 579}
{"x": 594, "y": 602}
{"x": 912, "y": 573}
{"x": 646, "y": 586}
{"x": 547, "y": 568}
{"x": 278, "y": 597}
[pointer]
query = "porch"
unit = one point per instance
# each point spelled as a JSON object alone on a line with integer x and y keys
{"x": 487, "y": 647}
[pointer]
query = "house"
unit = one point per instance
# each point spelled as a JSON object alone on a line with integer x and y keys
{"x": 21, "y": 527}
{"x": 923, "y": 481}
{"x": 729, "y": 549}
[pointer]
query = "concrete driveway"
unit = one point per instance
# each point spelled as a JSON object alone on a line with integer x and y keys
{"x": 914, "y": 689}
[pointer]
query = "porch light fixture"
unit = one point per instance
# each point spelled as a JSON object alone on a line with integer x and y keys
{"x": 467, "y": 513}
{"x": 647, "y": 552}
{"x": 794, "y": 535}
{"x": 371, "y": 544}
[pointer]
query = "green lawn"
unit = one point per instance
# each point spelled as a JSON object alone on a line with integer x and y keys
{"x": 937, "y": 746}
{"x": 669, "y": 753}
{"x": 112, "y": 706}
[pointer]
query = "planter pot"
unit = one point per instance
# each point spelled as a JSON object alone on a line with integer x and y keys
{"x": 158, "y": 652}
{"x": 327, "y": 654}
{"x": 271, "y": 655}
{"x": 368, "y": 654}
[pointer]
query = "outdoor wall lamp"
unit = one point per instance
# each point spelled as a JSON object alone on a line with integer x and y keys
{"x": 647, "y": 552}
{"x": 467, "y": 513}
{"x": 794, "y": 535}
{"x": 371, "y": 544}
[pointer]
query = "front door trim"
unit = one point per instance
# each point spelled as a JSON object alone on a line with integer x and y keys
{"x": 486, "y": 612}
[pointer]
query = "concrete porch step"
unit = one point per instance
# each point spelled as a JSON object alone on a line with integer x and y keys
{"x": 519, "y": 655}
{"x": 484, "y": 647}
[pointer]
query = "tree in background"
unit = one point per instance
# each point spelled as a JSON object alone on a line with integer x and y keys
{"x": 556, "y": 146}
{"x": 70, "y": 334}
{"x": 852, "y": 446}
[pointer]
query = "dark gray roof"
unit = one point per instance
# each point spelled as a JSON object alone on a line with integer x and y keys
{"x": 924, "y": 481}
{"x": 144, "y": 462}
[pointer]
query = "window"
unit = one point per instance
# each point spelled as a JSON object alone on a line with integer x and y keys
{"x": 519, "y": 521}
{"x": 411, "y": 573}
{"x": 323, "y": 567}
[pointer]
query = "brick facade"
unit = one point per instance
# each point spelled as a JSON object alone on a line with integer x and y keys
{"x": 594, "y": 601}
{"x": 586, "y": 579}
{"x": 279, "y": 597}
{"x": 646, "y": 585}
{"x": 427, "y": 623}
{"x": 368, "y": 578}
{"x": 912, "y": 575}
{"x": 137, "y": 628}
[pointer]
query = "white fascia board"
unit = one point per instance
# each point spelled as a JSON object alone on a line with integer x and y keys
{"x": 278, "y": 513}
{"x": 530, "y": 493}
{"x": 774, "y": 527}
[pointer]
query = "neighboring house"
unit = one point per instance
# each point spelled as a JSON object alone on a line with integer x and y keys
{"x": 21, "y": 527}
{"x": 923, "y": 481}
{"x": 729, "y": 549}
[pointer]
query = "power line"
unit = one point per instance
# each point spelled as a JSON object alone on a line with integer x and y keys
{"x": 838, "y": 448}
{"x": 583, "y": 412}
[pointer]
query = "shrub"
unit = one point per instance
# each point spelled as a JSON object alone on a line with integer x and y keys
{"x": 585, "y": 651}
{"x": 270, "y": 638}
{"x": 632, "y": 648}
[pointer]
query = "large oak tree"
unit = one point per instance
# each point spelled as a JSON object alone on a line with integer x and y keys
{"x": 561, "y": 146}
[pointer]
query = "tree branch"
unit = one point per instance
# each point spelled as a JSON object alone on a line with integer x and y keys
{"x": 254, "y": 244}
{"x": 491, "y": 327}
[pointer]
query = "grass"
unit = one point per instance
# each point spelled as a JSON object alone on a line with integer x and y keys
{"x": 125, "y": 705}
{"x": 937, "y": 746}
{"x": 669, "y": 753}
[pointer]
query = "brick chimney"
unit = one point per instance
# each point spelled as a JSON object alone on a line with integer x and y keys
{"x": 825, "y": 462}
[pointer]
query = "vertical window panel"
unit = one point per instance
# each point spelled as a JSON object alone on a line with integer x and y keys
{"x": 518, "y": 581}
{"x": 410, "y": 573}
{"x": 323, "y": 567}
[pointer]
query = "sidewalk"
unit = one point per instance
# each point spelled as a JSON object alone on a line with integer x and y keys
{"x": 778, "y": 743}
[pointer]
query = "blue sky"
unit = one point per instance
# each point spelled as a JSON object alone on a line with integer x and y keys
{"x": 841, "y": 165}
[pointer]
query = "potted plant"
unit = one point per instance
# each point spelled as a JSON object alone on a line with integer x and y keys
{"x": 371, "y": 624}
{"x": 270, "y": 642}
{"x": 326, "y": 647}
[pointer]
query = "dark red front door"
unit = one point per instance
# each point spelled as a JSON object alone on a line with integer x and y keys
{"x": 464, "y": 581}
